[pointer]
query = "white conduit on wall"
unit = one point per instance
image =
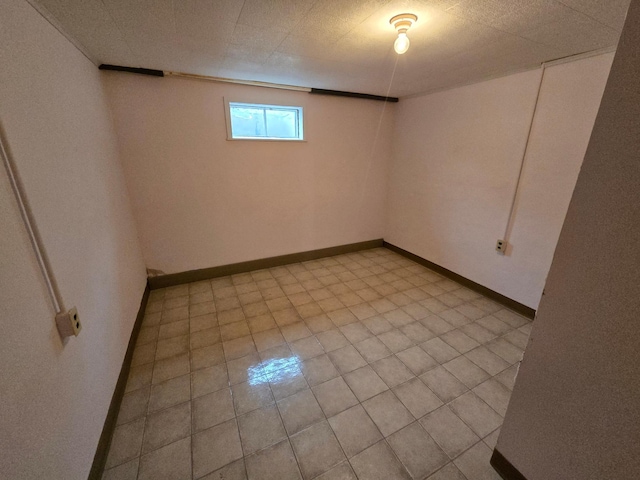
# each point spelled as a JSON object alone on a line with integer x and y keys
{"x": 30, "y": 226}
{"x": 516, "y": 192}
{"x": 514, "y": 201}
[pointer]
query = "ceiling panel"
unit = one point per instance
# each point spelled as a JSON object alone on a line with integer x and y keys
{"x": 337, "y": 44}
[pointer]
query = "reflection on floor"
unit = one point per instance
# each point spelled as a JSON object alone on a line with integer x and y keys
{"x": 359, "y": 366}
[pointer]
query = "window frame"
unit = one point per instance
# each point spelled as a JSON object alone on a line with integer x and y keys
{"x": 300, "y": 127}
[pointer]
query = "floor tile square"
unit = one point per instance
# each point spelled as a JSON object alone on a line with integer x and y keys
{"x": 356, "y": 332}
{"x": 205, "y": 338}
{"x": 299, "y": 411}
{"x": 267, "y": 339}
{"x": 494, "y": 325}
{"x": 209, "y": 380}
{"x": 126, "y": 471}
{"x": 476, "y": 413}
{"x": 319, "y": 323}
{"x": 451, "y": 433}
{"x": 307, "y": 348}
{"x": 443, "y": 384}
{"x": 487, "y": 360}
{"x": 172, "y": 462}
{"x": 392, "y": 371}
{"x": 388, "y": 413}
{"x": 317, "y": 450}
{"x": 318, "y": 370}
{"x": 216, "y": 447}
{"x": 202, "y": 322}
{"x": 334, "y": 396}
{"x": 417, "y": 360}
{"x": 363, "y": 311}
{"x": 395, "y": 340}
{"x": 342, "y": 471}
{"x": 474, "y": 463}
{"x": 378, "y": 462}
{"x": 171, "y": 347}
{"x": 170, "y": 368}
{"x": 134, "y": 405}
{"x": 251, "y": 395}
{"x": 261, "y": 323}
{"x": 295, "y": 331}
{"x": 417, "y": 451}
{"x": 260, "y": 429}
{"x": 448, "y": 472}
{"x": 287, "y": 380}
{"x": 377, "y": 324}
{"x": 466, "y": 371}
{"x": 416, "y": 332}
{"x": 342, "y": 317}
{"x": 126, "y": 443}
{"x": 169, "y": 393}
{"x": 372, "y": 349}
{"x": 347, "y": 359}
{"x": 458, "y": 340}
{"x": 332, "y": 340}
{"x": 166, "y": 426}
{"x": 355, "y": 430}
{"x": 274, "y": 463}
{"x": 417, "y": 397}
{"x": 365, "y": 383}
{"x": 442, "y": 352}
{"x": 212, "y": 409}
{"x": 398, "y": 317}
{"x": 239, "y": 347}
{"x": 207, "y": 357}
{"x": 243, "y": 368}
{"x": 174, "y": 329}
{"x": 234, "y": 330}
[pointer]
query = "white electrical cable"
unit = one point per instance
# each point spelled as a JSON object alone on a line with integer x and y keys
{"x": 514, "y": 201}
{"x": 32, "y": 231}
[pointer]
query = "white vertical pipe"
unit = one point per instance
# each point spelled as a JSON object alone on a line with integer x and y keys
{"x": 30, "y": 225}
{"x": 514, "y": 201}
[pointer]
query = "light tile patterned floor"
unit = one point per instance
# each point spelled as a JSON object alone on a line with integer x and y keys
{"x": 359, "y": 366}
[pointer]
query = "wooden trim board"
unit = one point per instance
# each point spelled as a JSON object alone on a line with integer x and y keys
{"x": 100, "y": 458}
{"x": 222, "y": 271}
{"x": 487, "y": 292}
{"x": 504, "y": 467}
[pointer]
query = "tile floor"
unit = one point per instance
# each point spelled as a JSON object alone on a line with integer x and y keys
{"x": 359, "y": 366}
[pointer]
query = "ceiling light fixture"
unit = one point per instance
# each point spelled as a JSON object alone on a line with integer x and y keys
{"x": 402, "y": 23}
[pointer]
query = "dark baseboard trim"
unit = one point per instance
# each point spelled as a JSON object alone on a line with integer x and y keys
{"x": 100, "y": 458}
{"x": 222, "y": 271}
{"x": 487, "y": 292}
{"x": 504, "y": 467}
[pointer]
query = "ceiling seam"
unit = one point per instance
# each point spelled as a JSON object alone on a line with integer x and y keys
{"x": 48, "y": 16}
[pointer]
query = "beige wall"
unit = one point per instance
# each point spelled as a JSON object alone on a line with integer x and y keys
{"x": 54, "y": 397}
{"x": 456, "y": 158}
{"x": 575, "y": 409}
{"x": 202, "y": 201}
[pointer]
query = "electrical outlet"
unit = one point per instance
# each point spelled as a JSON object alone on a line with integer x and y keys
{"x": 501, "y": 247}
{"x": 68, "y": 323}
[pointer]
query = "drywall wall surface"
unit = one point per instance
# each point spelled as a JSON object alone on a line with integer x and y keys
{"x": 201, "y": 200}
{"x": 456, "y": 163}
{"x": 54, "y": 397}
{"x": 574, "y": 412}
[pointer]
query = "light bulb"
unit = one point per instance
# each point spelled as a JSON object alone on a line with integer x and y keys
{"x": 401, "y": 45}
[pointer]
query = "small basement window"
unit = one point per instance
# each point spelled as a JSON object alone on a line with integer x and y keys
{"x": 252, "y": 121}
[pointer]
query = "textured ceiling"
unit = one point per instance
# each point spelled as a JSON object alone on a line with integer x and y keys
{"x": 337, "y": 44}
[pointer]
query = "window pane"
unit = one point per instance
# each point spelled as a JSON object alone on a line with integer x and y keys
{"x": 282, "y": 123}
{"x": 247, "y": 122}
{"x": 265, "y": 122}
